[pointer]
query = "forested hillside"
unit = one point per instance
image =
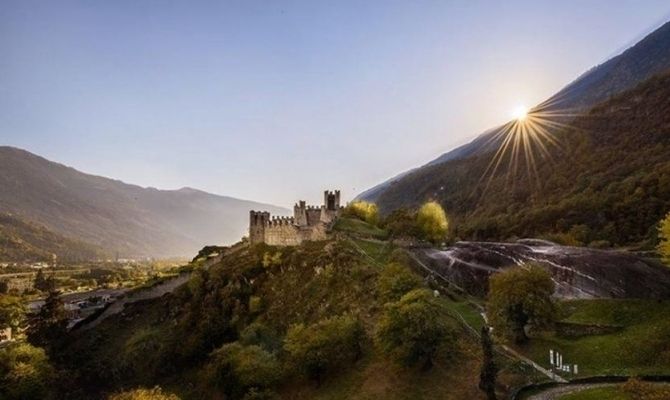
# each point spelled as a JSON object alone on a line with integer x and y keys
{"x": 607, "y": 181}
{"x": 24, "y": 241}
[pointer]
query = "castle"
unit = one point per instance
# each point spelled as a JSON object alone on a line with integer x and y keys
{"x": 307, "y": 223}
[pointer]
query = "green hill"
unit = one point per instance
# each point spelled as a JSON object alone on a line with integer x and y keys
{"x": 25, "y": 241}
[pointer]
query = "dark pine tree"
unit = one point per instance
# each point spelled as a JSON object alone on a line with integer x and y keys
{"x": 487, "y": 375}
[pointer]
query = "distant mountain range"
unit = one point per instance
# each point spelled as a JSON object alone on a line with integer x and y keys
{"x": 109, "y": 216}
{"x": 647, "y": 58}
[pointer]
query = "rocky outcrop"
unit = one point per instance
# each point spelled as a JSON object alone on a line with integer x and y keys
{"x": 578, "y": 272}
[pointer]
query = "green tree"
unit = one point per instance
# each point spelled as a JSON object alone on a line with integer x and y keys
{"x": 432, "y": 222}
{"x": 487, "y": 375}
{"x": 25, "y": 372}
{"x": 236, "y": 369}
{"x": 415, "y": 328}
{"x": 155, "y": 393}
{"x": 49, "y": 327}
{"x": 664, "y": 239}
{"x": 364, "y": 211}
{"x": 520, "y": 296}
{"x": 395, "y": 280}
{"x": 401, "y": 223}
{"x": 324, "y": 346}
{"x": 41, "y": 282}
{"x": 12, "y": 312}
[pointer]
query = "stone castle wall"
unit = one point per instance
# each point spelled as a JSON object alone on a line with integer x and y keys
{"x": 307, "y": 223}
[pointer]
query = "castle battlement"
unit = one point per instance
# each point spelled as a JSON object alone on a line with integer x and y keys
{"x": 309, "y": 222}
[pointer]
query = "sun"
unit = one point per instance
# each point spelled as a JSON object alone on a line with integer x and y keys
{"x": 520, "y": 113}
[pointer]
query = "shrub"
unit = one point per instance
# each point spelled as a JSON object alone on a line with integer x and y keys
{"x": 155, "y": 393}
{"x": 328, "y": 344}
{"x": 25, "y": 372}
{"x": 364, "y": 211}
{"x": 402, "y": 223}
{"x": 519, "y": 296}
{"x": 414, "y": 328}
{"x": 395, "y": 280}
{"x": 664, "y": 239}
{"x": 236, "y": 369}
{"x": 432, "y": 222}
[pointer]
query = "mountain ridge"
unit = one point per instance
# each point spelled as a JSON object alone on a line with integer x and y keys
{"x": 118, "y": 216}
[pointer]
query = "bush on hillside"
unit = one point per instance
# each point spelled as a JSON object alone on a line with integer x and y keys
{"x": 324, "y": 346}
{"x": 25, "y": 373}
{"x": 363, "y": 210}
{"x": 432, "y": 222}
{"x": 401, "y": 223}
{"x": 236, "y": 369}
{"x": 395, "y": 280}
{"x": 415, "y": 328}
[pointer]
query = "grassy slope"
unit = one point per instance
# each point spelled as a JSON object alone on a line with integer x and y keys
{"x": 609, "y": 393}
{"x": 640, "y": 348}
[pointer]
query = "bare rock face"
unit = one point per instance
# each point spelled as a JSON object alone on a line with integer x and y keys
{"x": 578, "y": 272}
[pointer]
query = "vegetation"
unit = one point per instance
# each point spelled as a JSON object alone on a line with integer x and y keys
{"x": 395, "y": 280}
{"x": 637, "y": 346}
{"x": 432, "y": 222}
{"x": 238, "y": 369}
{"x": 49, "y": 327}
{"x": 664, "y": 239}
{"x": 12, "y": 312}
{"x": 414, "y": 329}
{"x": 25, "y": 373}
{"x": 155, "y": 393}
{"x": 517, "y": 297}
{"x": 362, "y": 210}
{"x": 610, "y": 175}
{"x": 324, "y": 346}
{"x": 26, "y": 241}
{"x": 489, "y": 370}
{"x": 401, "y": 223}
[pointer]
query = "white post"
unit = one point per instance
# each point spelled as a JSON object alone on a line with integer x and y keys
{"x": 575, "y": 368}
{"x": 560, "y": 361}
{"x": 551, "y": 357}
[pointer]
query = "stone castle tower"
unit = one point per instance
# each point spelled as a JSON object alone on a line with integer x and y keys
{"x": 308, "y": 223}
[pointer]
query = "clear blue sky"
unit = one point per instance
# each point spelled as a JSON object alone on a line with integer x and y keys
{"x": 278, "y": 100}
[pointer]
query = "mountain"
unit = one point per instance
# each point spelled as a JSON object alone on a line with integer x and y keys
{"x": 118, "y": 217}
{"x": 606, "y": 183}
{"x": 645, "y": 59}
{"x": 24, "y": 241}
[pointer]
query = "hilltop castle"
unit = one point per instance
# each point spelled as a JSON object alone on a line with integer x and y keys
{"x": 307, "y": 223}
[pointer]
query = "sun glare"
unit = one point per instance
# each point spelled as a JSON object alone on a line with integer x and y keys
{"x": 520, "y": 113}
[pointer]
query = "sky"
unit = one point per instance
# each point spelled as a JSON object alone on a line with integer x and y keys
{"x": 279, "y": 100}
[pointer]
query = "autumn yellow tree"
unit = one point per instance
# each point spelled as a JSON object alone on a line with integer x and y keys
{"x": 664, "y": 239}
{"x": 432, "y": 221}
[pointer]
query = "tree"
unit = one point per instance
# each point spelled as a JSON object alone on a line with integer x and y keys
{"x": 364, "y": 211}
{"x": 236, "y": 369}
{"x": 25, "y": 372}
{"x": 324, "y": 346}
{"x": 401, "y": 223}
{"x": 49, "y": 327}
{"x": 12, "y": 312}
{"x": 41, "y": 282}
{"x": 664, "y": 239}
{"x": 519, "y": 296}
{"x": 414, "y": 328}
{"x": 432, "y": 222}
{"x": 487, "y": 375}
{"x": 395, "y": 280}
{"x": 155, "y": 393}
